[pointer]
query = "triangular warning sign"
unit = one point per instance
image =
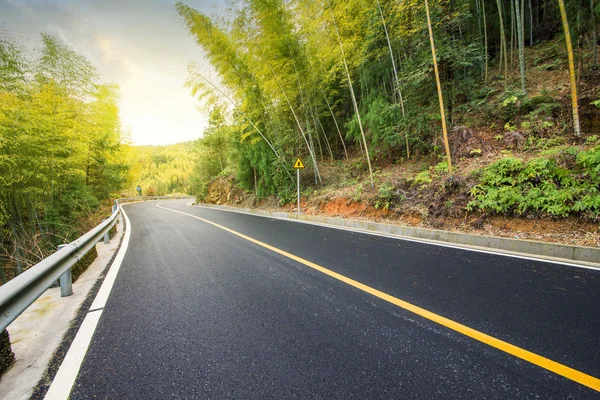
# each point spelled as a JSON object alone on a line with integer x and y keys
{"x": 298, "y": 164}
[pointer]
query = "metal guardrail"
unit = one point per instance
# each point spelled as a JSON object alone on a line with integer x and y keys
{"x": 20, "y": 292}
{"x": 148, "y": 198}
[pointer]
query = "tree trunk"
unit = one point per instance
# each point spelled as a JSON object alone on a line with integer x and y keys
{"x": 500, "y": 49}
{"x": 503, "y": 43}
{"x": 594, "y": 35}
{"x": 485, "y": 42}
{"x": 255, "y": 182}
{"x": 579, "y": 48}
{"x": 574, "y": 105}
{"x": 521, "y": 42}
{"x": 523, "y": 22}
{"x": 439, "y": 89}
{"x": 530, "y": 24}
{"x": 512, "y": 33}
{"x": 478, "y": 11}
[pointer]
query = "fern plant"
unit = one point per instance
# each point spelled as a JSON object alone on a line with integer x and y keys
{"x": 542, "y": 185}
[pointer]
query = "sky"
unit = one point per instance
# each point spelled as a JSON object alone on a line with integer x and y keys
{"x": 141, "y": 45}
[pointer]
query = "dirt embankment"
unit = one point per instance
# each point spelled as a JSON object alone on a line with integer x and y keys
{"x": 436, "y": 214}
{"x": 566, "y": 230}
{"x": 224, "y": 191}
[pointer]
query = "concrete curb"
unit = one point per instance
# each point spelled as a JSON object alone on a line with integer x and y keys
{"x": 529, "y": 247}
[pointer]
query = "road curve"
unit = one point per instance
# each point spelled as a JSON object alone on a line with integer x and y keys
{"x": 197, "y": 312}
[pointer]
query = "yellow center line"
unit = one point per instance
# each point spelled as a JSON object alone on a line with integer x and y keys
{"x": 550, "y": 365}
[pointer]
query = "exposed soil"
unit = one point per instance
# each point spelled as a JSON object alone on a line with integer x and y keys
{"x": 574, "y": 231}
{"x": 344, "y": 208}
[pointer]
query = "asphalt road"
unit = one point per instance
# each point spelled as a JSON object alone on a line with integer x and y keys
{"x": 197, "y": 312}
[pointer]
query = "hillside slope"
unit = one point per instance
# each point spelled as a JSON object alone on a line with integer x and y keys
{"x": 519, "y": 171}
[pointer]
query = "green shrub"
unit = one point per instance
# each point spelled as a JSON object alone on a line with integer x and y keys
{"x": 422, "y": 179}
{"x": 542, "y": 185}
{"x": 286, "y": 195}
{"x": 441, "y": 168}
{"x": 385, "y": 196}
{"x": 386, "y": 191}
{"x": 358, "y": 191}
{"x": 511, "y": 105}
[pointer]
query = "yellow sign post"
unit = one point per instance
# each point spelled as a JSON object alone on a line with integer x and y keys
{"x": 298, "y": 165}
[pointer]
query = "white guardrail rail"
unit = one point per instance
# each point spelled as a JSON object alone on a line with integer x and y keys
{"x": 20, "y": 292}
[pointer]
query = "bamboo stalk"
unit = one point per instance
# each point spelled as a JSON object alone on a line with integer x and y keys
{"x": 503, "y": 43}
{"x": 439, "y": 89}
{"x": 530, "y": 24}
{"x": 512, "y": 33}
{"x": 520, "y": 39}
{"x": 574, "y": 105}
{"x": 594, "y": 35}
{"x": 485, "y": 41}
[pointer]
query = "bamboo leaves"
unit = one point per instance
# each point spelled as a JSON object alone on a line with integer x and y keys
{"x": 313, "y": 74}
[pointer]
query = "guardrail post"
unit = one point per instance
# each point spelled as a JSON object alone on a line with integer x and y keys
{"x": 65, "y": 280}
{"x": 107, "y": 238}
{"x": 66, "y": 284}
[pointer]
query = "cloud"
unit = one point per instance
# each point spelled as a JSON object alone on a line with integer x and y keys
{"x": 105, "y": 46}
{"x": 140, "y": 45}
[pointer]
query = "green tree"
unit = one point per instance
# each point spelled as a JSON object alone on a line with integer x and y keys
{"x": 59, "y": 147}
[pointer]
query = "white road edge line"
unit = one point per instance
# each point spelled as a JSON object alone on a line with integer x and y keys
{"x": 409, "y": 239}
{"x": 63, "y": 382}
